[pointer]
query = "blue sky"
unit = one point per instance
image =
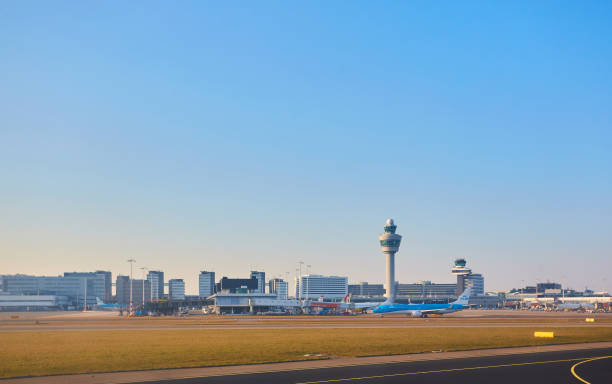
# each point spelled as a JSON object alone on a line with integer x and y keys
{"x": 231, "y": 135}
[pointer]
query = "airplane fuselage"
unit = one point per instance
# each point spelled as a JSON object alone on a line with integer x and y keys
{"x": 418, "y": 309}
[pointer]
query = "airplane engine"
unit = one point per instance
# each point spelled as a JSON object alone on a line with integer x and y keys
{"x": 417, "y": 314}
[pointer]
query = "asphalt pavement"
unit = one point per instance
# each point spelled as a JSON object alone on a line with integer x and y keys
{"x": 542, "y": 367}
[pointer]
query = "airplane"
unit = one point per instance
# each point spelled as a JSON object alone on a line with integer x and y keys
{"x": 100, "y": 306}
{"x": 422, "y": 310}
{"x": 361, "y": 306}
{"x": 344, "y": 305}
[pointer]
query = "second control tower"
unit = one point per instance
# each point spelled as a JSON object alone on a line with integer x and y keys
{"x": 389, "y": 243}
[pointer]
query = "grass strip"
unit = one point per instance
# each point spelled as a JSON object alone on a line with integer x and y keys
{"x": 66, "y": 352}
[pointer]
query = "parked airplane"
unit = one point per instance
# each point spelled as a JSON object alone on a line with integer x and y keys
{"x": 422, "y": 310}
{"x": 361, "y": 306}
{"x": 100, "y": 306}
{"x": 343, "y": 305}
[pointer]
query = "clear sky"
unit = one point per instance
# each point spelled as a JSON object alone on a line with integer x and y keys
{"x": 234, "y": 135}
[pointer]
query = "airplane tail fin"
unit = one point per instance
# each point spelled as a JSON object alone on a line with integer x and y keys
{"x": 347, "y": 299}
{"x": 98, "y": 301}
{"x": 465, "y": 297}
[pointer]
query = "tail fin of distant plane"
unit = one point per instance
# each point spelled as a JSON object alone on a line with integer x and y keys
{"x": 98, "y": 301}
{"x": 465, "y": 297}
{"x": 347, "y": 299}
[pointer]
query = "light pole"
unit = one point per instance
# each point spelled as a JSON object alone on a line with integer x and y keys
{"x": 308, "y": 282}
{"x": 85, "y": 301}
{"x": 144, "y": 269}
{"x": 131, "y": 261}
{"x": 300, "y": 263}
{"x": 297, "y": 283}
{"x": 563, "y": 284}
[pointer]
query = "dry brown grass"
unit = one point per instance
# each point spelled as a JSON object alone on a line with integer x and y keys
{"x": 53, "y": 352}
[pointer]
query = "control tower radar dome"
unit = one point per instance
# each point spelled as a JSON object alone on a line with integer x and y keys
{"x": 460, "y": 267}
{"x": 460, "y": 262}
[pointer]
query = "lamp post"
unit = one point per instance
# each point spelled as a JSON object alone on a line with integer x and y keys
{"x": 144, "y": 269}
{"x": 308, "y": 282}
{"x": 300, "y": 263}
{"x": 85, "y": 301}
{"x": 131, "y": 261}
{"x": 563, "y": 284}
{"x": 297, "y": 283}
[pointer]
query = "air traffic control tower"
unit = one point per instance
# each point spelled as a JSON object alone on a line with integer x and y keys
{"x": 389, "y": 243}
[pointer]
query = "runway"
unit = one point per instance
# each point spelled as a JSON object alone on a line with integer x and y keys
{"x": 591, "y": 366}
{"x": 42, "y": 327}
{"x": 97, "y": 321}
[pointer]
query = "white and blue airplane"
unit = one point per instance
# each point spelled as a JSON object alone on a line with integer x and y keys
{"x": 101, "y": 306}
{"x": 422, "y": 310}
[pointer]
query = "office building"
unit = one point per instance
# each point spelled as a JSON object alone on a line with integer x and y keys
{"x": 122, "y": 290}
{"x": 99, "y": 283}
{"x": 176, "y": 289}
{"x": 108, "y": 284}
{"x": 157, "y": 284}
{"x": 139, "y": 288}
{"x": 261, "y": 281}
{"x": 237, "y": 285}
{"x": 206, "y": 283}
{"x": 122, "y": 285}
{"x": 20, "y": 284}
{"x": 316, "y": 286}
{"x": 279, "y": 287}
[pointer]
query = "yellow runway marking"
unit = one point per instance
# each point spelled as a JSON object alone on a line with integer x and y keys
{"x": 442, "y": 370}
{"x": 582, "y": 362}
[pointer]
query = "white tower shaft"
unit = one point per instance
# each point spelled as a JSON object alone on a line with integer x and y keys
{"x": 390, "y": 294}
{"x": 389, "y": 244}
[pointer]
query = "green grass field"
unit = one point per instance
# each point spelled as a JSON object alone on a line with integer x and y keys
{"x": 62, "y": 352}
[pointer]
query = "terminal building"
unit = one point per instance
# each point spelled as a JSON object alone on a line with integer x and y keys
{"x": 228, "y": 285}
{"x": 14, "y": 303}
{"x": 241, "y": 296}
{"x": 316, "y": 286}
{"x": 251, "y": 302}
{"x": 364, "y": 289}
{"x": 427, "y": 289}
{"x": 74, "y": 286}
